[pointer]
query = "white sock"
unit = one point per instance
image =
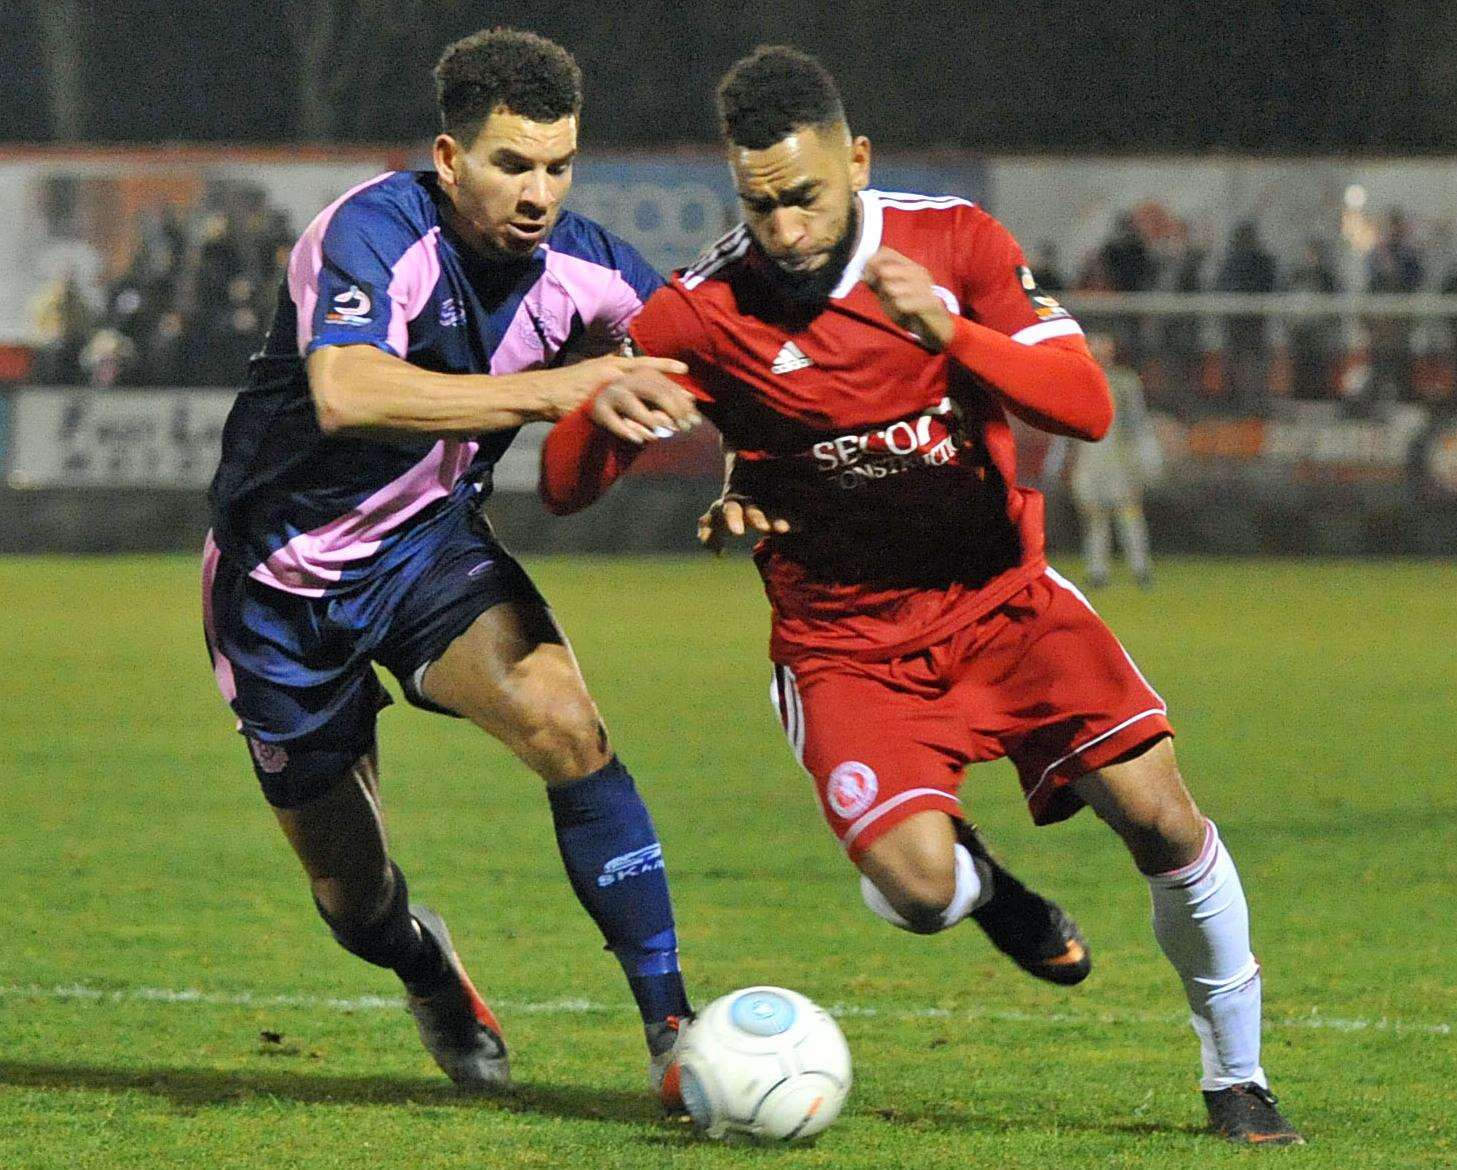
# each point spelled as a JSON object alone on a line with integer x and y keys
{"x": 970, "y": 892}
{"x": 1202, "y": 923}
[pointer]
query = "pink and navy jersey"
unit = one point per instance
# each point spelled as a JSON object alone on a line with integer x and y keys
{"x": 315, "y": 514}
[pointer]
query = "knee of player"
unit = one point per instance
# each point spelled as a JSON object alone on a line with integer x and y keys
{"x": 926, "y": 914}
{"x": 1172, "y": 844}
{"x": 927, "y": 894}
{"x": 916, "y": 900}
{"x": 1166, "y": 833}
{"x": 567, "y": 737}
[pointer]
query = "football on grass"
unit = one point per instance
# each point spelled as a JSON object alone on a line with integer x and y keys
{"x": 764, "y": 1063}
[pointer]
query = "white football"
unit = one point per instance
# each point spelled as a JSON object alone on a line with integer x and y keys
{"x": 765, "y": 1063}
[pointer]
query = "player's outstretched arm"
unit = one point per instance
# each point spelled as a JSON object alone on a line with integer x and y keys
{"x": 1055, "y": 386}
{"x": 588, "y": 449}
{"x": 597, "y": 442}
{"x": 361, "y": 390}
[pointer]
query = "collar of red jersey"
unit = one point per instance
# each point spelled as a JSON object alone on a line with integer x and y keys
{"x": 871, "y": 225}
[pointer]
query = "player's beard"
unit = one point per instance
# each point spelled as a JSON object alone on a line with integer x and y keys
{"x": 807, "y": 292}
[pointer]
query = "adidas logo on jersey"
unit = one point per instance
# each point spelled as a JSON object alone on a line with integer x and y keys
{"x": 790, "y": 358}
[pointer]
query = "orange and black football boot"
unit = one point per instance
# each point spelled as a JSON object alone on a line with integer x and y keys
{"x": 663, "y": 1074}
{"x": 1246, "y": 1113}
{"x": 1033, "y": 931}
{"x": 456, "y": 1026}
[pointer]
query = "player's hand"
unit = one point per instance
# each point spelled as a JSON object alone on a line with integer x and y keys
{"x": 736, "y": 515}
{"x": 644, "y": 405}
{"x": 570, "y": 386}
{"x": 905, "y": 292}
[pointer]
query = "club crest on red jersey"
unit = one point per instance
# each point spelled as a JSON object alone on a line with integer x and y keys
{"x": 852, "y": 788}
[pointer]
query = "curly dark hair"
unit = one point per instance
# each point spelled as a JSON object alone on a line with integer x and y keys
{"x": 526, "y": 73}
{"x": 767, "y": 95}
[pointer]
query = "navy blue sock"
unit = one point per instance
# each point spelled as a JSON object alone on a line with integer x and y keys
{"x": 615, "y": 864}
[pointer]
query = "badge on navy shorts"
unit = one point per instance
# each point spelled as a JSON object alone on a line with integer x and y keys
{"x": 270, "y": 756}
{"x": 851, "y": 789}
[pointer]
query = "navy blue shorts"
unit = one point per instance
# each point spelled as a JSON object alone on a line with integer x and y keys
{"x": 298, "y": 671}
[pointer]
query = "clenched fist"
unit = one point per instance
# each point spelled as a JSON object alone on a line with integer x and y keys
{"x": 906, "y": 294}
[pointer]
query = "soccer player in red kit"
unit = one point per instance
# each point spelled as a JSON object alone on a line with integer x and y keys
{"x": 860, "y": 350}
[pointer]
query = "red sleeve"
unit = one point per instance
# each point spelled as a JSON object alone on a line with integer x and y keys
{"x": 580, "y": 460}
{"x": 1055, "y": 386}
{"x": 1020, "y": 341}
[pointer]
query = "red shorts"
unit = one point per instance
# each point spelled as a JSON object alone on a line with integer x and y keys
{"x": 1040, "y": 680}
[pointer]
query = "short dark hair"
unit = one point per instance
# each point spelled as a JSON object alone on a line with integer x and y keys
{"x": 527, "y": 74}
{"x": 767, "y": 95}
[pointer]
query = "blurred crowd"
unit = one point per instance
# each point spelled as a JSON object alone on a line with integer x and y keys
{"x": 1239, "y": 362}
{"x": 192, "y": 300}
{"x": 188, "y": 308}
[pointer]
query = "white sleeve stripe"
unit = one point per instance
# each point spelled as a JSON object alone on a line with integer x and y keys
{"x": 715, "y": 254}
{"x": 725, "y": 243}
{"x": 1043, "y": 330}
{"x": 692, "y": 278}
{"x": 784, "y": 694}
{"x": 910, "y": 199}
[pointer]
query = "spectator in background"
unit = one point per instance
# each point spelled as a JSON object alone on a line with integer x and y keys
{"x": 1129, "y": 267}
{"x": 1449, "y": 288}
{"x": 167, "y": 358}
{"x": 63, "y": 324}
{"x": 1046, "y": 271}
{"x": 220, "y": 257}
{"x": 230, "y": 336}
{"x": 1092, "y": 275}
{"x": 1126, "y": 258}
{"x": 1108, "y": 477}
{"x": 1181, "y": 270}
{"x": 1247, "y": 268}
{"x": 110, "y": 359}
{"x": 270, "y": 239}
{"x": 188, "y": 309}
{"x": 1393, "y": 267}
{"x": 1313, "y": 340}
{"x": 137, "y": 299}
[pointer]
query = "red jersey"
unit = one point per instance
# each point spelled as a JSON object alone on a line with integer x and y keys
{"x": 895, "y": 464}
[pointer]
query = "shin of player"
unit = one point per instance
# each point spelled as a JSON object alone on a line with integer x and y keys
{"x": 1200, "y": 916}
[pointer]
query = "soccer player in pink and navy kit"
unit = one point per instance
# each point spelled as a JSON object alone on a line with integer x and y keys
{"x": 426, "y": 316}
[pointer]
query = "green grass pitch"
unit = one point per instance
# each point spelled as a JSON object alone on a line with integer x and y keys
{"x": 168, "y": 999}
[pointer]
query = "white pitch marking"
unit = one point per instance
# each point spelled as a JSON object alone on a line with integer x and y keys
{"x": 577, "y": 1007}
